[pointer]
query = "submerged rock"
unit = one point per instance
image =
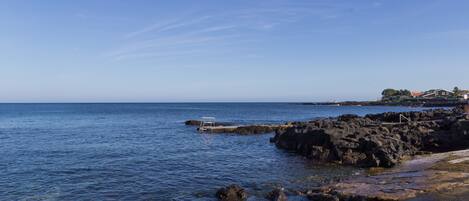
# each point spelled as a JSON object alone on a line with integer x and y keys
{"x": 276, "y": 195}
{"x": 231, "y": 193}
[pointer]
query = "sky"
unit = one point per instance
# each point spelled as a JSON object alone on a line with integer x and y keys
{"x": 230, "y": 51}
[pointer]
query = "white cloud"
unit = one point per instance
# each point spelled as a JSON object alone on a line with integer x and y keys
{"x": 208, "y": 31}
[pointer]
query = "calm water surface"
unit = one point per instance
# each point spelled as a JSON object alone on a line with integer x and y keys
{"x": 145, "y": 152}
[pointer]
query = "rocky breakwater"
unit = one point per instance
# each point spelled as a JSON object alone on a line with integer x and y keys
{"x": 199, "y": 122}
{"x": 225, "y": 127}
{"x": 380, "y": 140}
{"x": 245, "y": 129}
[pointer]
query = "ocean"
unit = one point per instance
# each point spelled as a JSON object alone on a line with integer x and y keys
{"x": 145, "y": 152}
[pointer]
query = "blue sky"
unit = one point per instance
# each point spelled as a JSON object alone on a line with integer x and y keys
{"x": 244, "y": 50}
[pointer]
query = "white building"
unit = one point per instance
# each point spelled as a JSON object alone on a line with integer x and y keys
{"x": 434, "y": 93}
{"x": 466, "y": 96}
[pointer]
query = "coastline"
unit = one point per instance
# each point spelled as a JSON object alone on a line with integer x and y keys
{"x": 380, "y": 141}
{"x": 442, "y": 174}
{"x": 415, "y": 103}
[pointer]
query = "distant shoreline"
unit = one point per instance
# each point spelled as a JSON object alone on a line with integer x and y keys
{"x": 428, "y": 103}
{"x": 431, "y": 103}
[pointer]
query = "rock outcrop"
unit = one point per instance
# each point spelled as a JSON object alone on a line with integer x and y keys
{"x": 232, "y": 193}
{"x": 225, "y": 127}
{"x": 244, "y": 130}
{"x": 428, "y": 115}
{"x": 277, "y": 195}
{"x": 379, "y": 140}
{"x": 198, "y": 122}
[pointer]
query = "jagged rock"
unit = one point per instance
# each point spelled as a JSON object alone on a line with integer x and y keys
{"x": 322, "y": 197}
{"x": 427, "y": 115}
{"x": 348, "y": 117}
{"x": 366, "y": 141}
{"x": 231, "y": 193}
{"x": 245, "y": 130}
{"x": 277, "y": 195}
{"x": 255, "y": 129}
{"x": 363, "y": 146}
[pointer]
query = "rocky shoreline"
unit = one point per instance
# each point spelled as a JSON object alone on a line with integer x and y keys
{"x": 377, "y": 141}
{"x": 386, "y": 140}
{"x": 444, "y": 173}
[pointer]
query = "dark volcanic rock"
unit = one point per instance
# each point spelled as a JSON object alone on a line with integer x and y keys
{"x": 348, "y": 117}
{"x": 223, "y": 127}
{"x": 197, "y": 123}
{"x": 255, "y": 129}
{"x": 427, "y": 115}
{"x": 231, "y": 193}
{"x": 322, "y": 197}
{"x": 367, "y": 141}
{"x": 455, "y": 136}
{"x": 192, "y": 122}
{"x": 348, "y": 145}
{"x": 244, "y": 130}
{"x": 277, "y": 195}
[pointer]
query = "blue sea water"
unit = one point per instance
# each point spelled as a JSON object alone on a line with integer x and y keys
{"x": 145, "y": 152}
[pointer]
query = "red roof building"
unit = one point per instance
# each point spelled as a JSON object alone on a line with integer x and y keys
{"x": 416, "y": 94}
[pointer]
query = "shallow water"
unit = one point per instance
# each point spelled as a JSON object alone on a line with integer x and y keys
{"x": 145, "y": 152}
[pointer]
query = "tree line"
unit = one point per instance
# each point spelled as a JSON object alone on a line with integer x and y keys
{"x": 394, "y": 92}
{"x": 389, "y": 93}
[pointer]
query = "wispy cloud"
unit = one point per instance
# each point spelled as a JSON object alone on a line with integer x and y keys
{"x": 167, "y": 25}
{"x": 236, "y": 27}
{"x": 176, "y": 45}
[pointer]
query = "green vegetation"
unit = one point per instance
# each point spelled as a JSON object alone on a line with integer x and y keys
{"x": 459, "y": 93}
{"x": 456, "y": 90}
{"x": 402, "y": 95}
{"x": 393, "y": 94}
